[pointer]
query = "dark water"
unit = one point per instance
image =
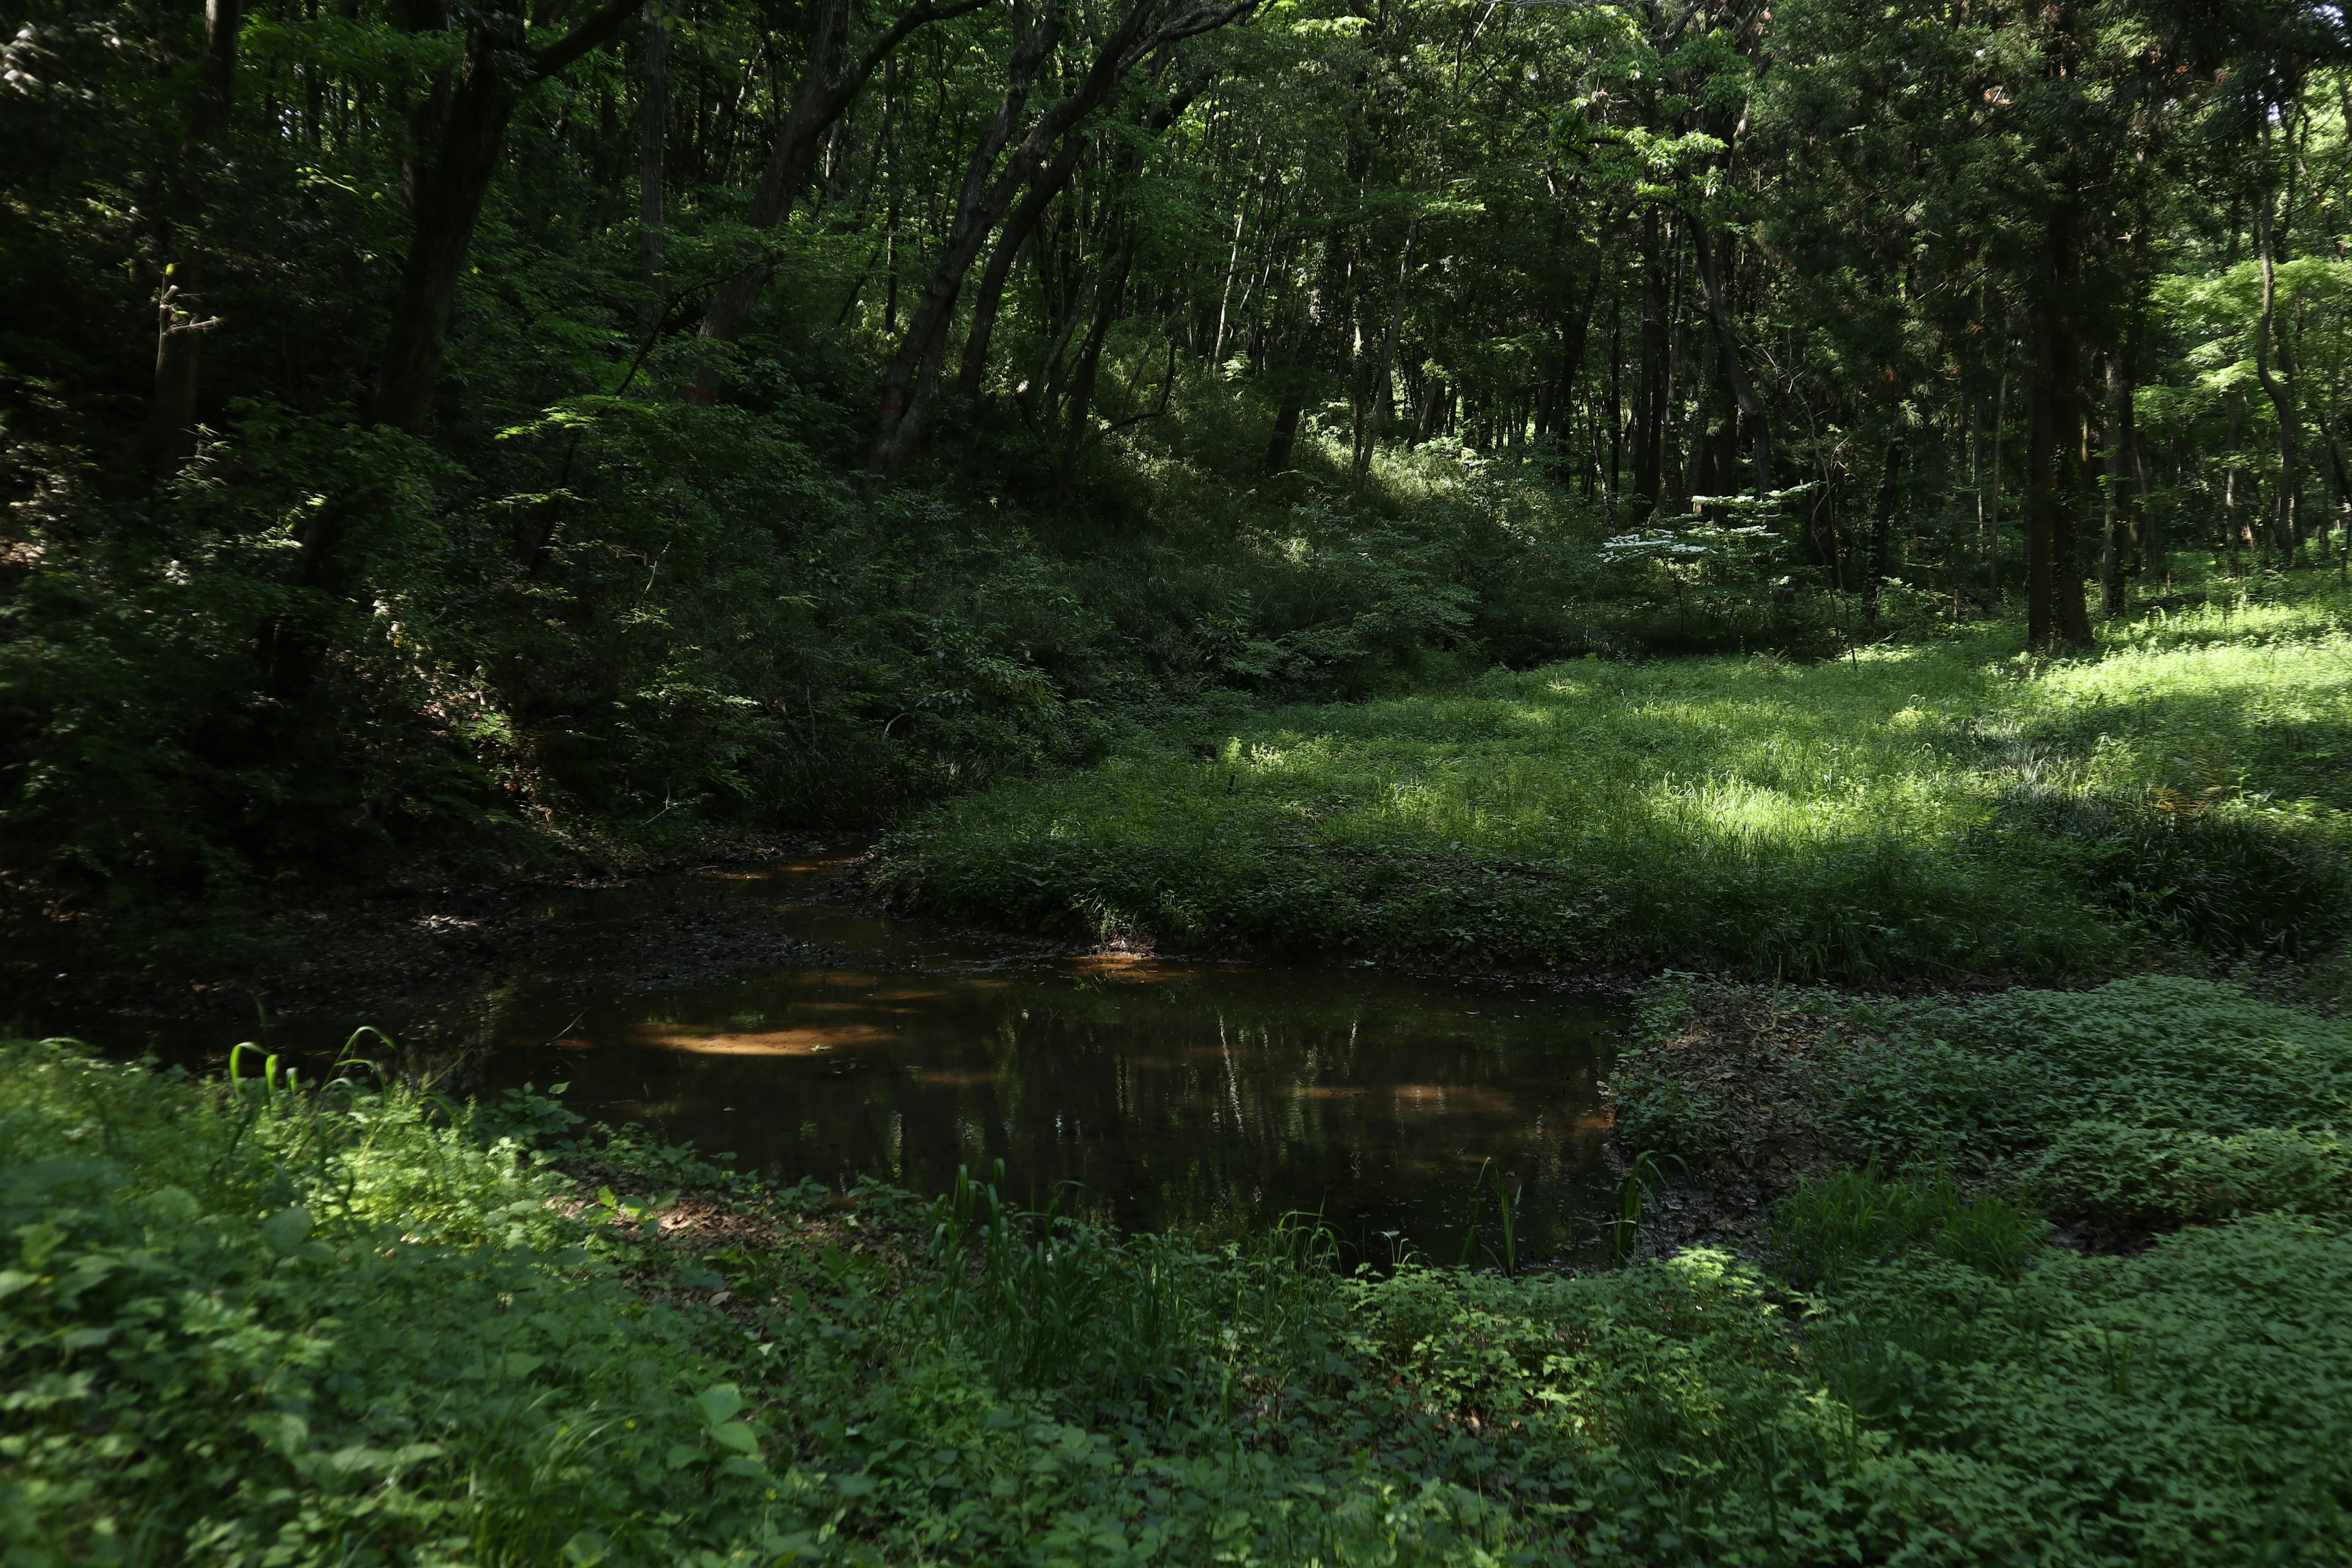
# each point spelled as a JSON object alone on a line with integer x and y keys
{"x": 1171, "y": 1092}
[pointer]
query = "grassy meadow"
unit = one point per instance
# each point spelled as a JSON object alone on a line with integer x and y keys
{"x": 247, "y": 1323}
{"x": 1944, "y": 808}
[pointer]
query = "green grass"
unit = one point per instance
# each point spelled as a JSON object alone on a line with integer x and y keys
{"x": 257, "y": 1325}
{"x": 1947, "y": 808}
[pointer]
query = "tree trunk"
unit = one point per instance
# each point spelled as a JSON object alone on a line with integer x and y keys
{"x": 1726, "y": 333}
{"x": 495, "y": 72}
{"x": 652, "y": 141}
{"x": 1291, "y": 403}
{"x": 1882, "y": 531}
{"x": 1992, "y": 524}
{"x": 449, "y": 193}
{"x": 2284, "y": 526}
{"x": 1377, "y": 415}
{"x": 911, "y": 384}
{"x": 1650, "y": 381}
{"x": 179, "y": 334}
{"x": 2120, "y": 534}
{"x": 2056, "y": 614}
{"x": 1017, "y": 229}
{"x": 1109, "y": 295}
{"x": 829, "y": 82}
{"x": 926, "y": 336}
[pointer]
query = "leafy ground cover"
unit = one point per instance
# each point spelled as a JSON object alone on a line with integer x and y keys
{"x": 254, "y": 1323}
{"x": 1942, "y": 808}
{"x": 2145, "y": 1104}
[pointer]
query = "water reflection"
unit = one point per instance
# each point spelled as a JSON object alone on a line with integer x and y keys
{"x": 1172, "y": 1092}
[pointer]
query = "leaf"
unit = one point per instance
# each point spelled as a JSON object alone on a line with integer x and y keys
{"x": 587, "y": 1548}
{"x": 736, "y": 1436}
{"x": 287, "y": 1229}
{"x": 720, "y": 1402}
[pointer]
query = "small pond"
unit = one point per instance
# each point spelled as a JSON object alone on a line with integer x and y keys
{"x": 1168, "y": 1091}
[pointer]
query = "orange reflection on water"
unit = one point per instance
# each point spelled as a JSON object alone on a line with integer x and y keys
{"x": 1453, "y": 1100}
{"x": 786, "y": 1042}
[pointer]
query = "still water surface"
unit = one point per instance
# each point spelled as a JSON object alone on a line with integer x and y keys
{"x": 1168, "y": 1092}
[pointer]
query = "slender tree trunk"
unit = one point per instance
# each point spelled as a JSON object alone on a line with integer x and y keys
{"x": 2284, "y": 525}
{"x": 911, "y": 384}
{"x": 2119, "y": 535}
{"x": 1751, "y": 407}
{"x": 1377, "y": 415}
{"x": 1110, "y": 294}
{"x": 828, "y": 83}
{"x": 895, "y": 430}
{"x": 1992, "y": 524}
{"x": 179, "y": 332}
{"x": 1650, "y": 382}
{"x": 1882, "y": 530}
{"x": 652, "y": 141}
{"x": 1290, "y": 402}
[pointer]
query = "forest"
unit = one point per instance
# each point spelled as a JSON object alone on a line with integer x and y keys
{"x": 1823, "y": 528}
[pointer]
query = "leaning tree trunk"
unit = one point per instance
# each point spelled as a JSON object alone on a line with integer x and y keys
{"x": 828, "y": 84}
{"x": 1016, "y": 231}
{"x": 1017, "y": 228}
{"x": 982, "y": 201}
{"x": 910, "y": 384}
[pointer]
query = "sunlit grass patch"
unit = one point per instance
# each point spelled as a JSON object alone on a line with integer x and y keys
{"x": 1853, "y": 818}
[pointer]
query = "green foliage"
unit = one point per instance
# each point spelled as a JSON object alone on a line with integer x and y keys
{"x": 2146, "y": 1100}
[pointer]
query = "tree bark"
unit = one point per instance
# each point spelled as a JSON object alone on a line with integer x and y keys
{"x": 1650, "y": 381}
{"x": 2057, "y": 616}
{"x": 1044, "y": 187}
{"x": 497, "y": 69}
{"x": 999, "y": 270}
{"x": 1109, "y": 296}
{"x": 1377, "y": 415}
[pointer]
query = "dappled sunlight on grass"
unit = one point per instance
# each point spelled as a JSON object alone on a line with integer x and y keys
{"x": 1852, "y": 816}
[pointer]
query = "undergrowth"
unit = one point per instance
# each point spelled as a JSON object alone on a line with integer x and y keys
{"x": 259, "y": 1323}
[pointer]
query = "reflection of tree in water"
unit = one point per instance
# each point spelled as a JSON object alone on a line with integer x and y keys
{"x": 1215, "y": 1096}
